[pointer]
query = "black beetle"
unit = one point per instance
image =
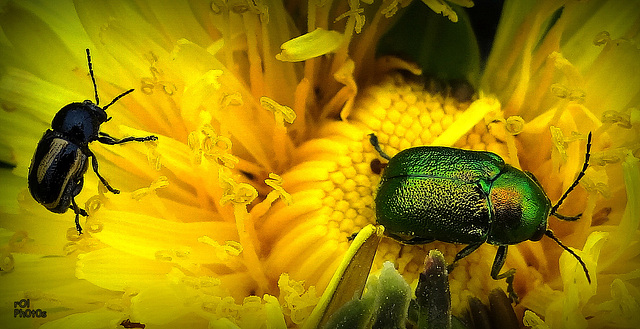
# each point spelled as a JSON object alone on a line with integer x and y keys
{"x": 431, "y": 193}
{"x": 56, "y": 174}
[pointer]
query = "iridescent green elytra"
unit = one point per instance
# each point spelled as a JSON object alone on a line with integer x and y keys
{"x": 431, "y": 193}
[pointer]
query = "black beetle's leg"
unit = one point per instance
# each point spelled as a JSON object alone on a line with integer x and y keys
{"x": 79, "y": 211}
{"x": 498, "y": 262}
{"x": 94, "y": 163}
{"x": 466, "y": 251}
{"x": 373, "y": 139}
{"x": 107, "y": 139}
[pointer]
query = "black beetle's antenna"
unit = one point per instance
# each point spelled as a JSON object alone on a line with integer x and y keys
{"x": 117, "y": 98}
{"x": 95, "y": 87}
{"x": 93, "y": 79}
{"x": 575, "y": 183}
{"x": 373, "y": 139}
{"x": 550, "y": 234}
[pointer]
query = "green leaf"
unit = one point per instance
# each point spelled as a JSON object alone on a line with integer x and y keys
{"x": 445, "y": 50}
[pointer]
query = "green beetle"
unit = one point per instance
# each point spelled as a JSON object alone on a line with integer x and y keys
{"x": 431, "y": 193}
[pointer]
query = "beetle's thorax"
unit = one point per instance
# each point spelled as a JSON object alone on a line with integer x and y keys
{"x": 80, "y": 122}
{"x": 520, "y": 208}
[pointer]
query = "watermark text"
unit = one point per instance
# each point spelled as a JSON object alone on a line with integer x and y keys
{"x": 22, "y": 309}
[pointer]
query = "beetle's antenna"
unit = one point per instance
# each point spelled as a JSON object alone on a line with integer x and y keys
{"x": 575, "y": 183}
{"x": 373, "y": 139}
{"x": 93, "y": 79}
{"x": 117, "y": 98}
{"x": 550, "y": 234}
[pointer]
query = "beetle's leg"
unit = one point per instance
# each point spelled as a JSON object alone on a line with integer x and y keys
{"x": 373, "y": 139}
{"x": 567, "y": 218}
{"x": 498, "y": 262}
{"x": 466, "y": 251}
{"x": 352, "y": 236}
{"x": 109, "y": 140}
{"x": 416, "y": 241}
{"x": 79, "y": 211}
{"x": 94, "y": 163}
{"x": 412, "y": 241}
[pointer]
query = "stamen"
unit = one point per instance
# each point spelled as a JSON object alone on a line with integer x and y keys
{"x": 160, "y": 182}
{"x": 223, "y": 252}
{"x": 212, "y": 146}
{"x": 355, "y": 14}
{"x": 601, "y": 38}
{"x": 281, "y": 142}
{"x": 275, "y": 182}
{"x": 559, "y": 141}
{"x": 297, "y": 302}
{"x": 6, "y": 261}
{"x": 237, "y": 193}
{"x": 281, "y": 112}
{"x": 514, "y": 124}
{"x": 621, "y": 119}
{"x": 441, "y": 7}
{"x": 240, "y": 195}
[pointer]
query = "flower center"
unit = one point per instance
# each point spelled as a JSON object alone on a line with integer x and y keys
{"x": 404, "y": 114}
{"x": 342, "y": 169}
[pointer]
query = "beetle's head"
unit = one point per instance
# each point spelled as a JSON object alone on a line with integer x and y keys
{"x": 98, "y": 113}
{"x": 540, "y": 231}
{"x": 80, "y": 122}
{"x": 543, "y": 224}
{"x": 520, "y": 207}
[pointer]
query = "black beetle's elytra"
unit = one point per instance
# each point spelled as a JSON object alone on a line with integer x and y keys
{"x": 61, "y": 159}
